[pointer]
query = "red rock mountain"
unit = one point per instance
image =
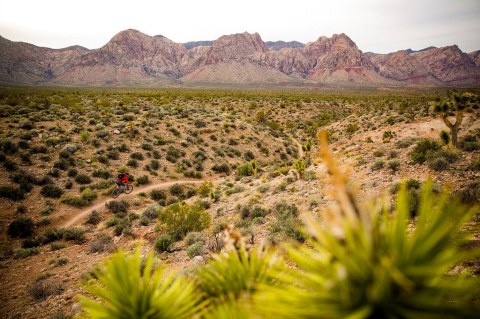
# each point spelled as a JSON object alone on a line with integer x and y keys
{"x": 134, "y": 58}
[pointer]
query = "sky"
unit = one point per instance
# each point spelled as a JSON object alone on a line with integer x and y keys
{"x": 379, "y": 26}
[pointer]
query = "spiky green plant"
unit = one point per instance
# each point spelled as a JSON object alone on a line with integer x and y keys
{"x": 366, "y": 262}
{"x": 125, "y": 289}
{"x": 444, "y": 137}
{"x": 231, "y": 279}
{"x": 300, "y": 166}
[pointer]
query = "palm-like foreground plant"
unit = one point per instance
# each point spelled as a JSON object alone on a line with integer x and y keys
{"x": 362, "y": 261}
{"x": 126, "y": 288}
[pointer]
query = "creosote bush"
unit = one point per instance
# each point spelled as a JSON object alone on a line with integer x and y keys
{"x": 21, "y": 227}
{"x": 180, "y": 218}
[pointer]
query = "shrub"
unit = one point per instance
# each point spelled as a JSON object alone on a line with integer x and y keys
{"x": 470, "y": 194}
{"x": 470, "y": 143}
{"x": 176, "y": 190}
{"x": 150, "y": 212}
{"x": 72, "y": 200}
{"x": 196, "y": 249}
{"x": 394, "y": 164}
{"x": 72, "y": 172}
{"x": 11, "y": 192}
{"x": 51, "y": 191}
{"x": 180, "y": 218}
{"x": 158, "y": 194}
{"x": 25, "y": 252}
{"x": 245, "y": 169}
{"x": 423, "y": 147}
{"x": 101, "y": 243}
{"x": 41, "y": 290}
{"x": 52, "y": 234}
{"x": 163, "y": 243}
{"x": 143, "y": 180}
{"x": 102, "y": 174}
{"x": 74, "y": 233}
{"x": 31, "y": 242}
{"x": 83, "y": 179}
{"x": 221, "y": 168}
{"x": 93, "y": 218}
{"x": 377, "y": 165}
{"x": 57, "y": 246}
{"x": 132, "y": 163}
{"x": 205, "y": 189}
{"x": 193, "y": 237}
{"x": 119, "y": 208}
{"x": 438, "y": 164}
{"x": 137, "y": 156}
{"x": 21, "y": 227}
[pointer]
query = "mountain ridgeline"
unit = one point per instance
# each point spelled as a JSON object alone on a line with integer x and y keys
{"x": 134, "y": 58}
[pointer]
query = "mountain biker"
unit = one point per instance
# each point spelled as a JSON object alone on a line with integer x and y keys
{"x": 122, "y": 180}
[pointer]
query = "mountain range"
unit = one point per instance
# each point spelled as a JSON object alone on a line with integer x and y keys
{"x": 134, "y": 58}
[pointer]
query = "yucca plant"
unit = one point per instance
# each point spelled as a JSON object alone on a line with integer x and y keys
{"x": 127, "y": 288}
{"x": 367, "y": 262}
{"x": 232, "y": 277}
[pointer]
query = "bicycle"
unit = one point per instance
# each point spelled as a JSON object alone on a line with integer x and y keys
{"x": 127, "y": 189}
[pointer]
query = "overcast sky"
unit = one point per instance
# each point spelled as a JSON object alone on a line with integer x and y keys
{"x": 374, "y": 25}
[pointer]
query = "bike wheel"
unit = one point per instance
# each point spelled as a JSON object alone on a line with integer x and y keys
{"x": 115, "y": 193}
{"x": 128, "y": 189}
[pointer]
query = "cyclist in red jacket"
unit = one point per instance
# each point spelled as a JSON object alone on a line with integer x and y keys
{"x": 122, "y": 180}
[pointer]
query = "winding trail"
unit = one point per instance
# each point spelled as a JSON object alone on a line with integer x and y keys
{"x": 72, "y": 221}
{"x": 99, "y": 205}
{"x": 299, "y": 146}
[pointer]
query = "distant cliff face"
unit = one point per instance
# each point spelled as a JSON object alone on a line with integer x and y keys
{"x": 132, "y": 57}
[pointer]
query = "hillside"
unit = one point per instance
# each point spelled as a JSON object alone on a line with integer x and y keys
{"x": 61, "y": 149}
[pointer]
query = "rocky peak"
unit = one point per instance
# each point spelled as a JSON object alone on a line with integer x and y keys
{"x": 475, "y": 56}
{"x": 236, "y": 47}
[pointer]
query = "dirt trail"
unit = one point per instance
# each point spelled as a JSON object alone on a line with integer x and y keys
{"x": 299, "y": 145}
{"x": 72, "y": 221}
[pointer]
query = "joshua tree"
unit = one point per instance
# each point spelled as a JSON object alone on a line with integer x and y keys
{"x": 300, "y": 166}
{"x": 454, "y": 103}
{"x": 307, "y": 148}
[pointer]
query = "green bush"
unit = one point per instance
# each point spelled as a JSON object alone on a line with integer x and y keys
{"x": 379, "y": 164}
{"x": 245, "y": 169}
{"x": 101, "y": 243}
{"x": 176, "y": 190}
{"x": 195, "y": 249}
{"x": 25, "y": 252}
{"x": 163, "y": 243}
{"x": 119, "y": 208}
{"x": 158, "y": 194}
{"x": 423, "y": 147}
{"x": 74, "y": 233}
{"x": 193, "y": 237}
{"x": 21, "y": 227}
{"x": 180, "y": 218}
{"x": 83, "y": 179}
{"x": 143, "y": 180}
{"x": 394, "y": 164}
{"x": 94, "y": 218}
{"x": 11, "y": 192}
{"x": 438, "y": 164}
{"x": 72, "y": 200}
{"x": 51, "y": 191}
